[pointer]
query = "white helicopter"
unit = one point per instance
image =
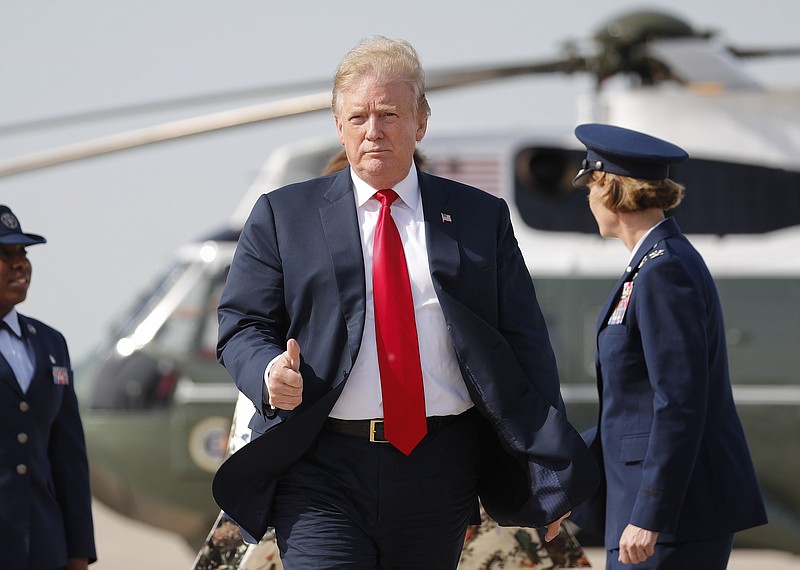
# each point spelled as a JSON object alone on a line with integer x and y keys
{"x": 158, "y": 374}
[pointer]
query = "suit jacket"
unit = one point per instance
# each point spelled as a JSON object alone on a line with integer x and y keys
{"x": 45, "y": 500}
{"x": 669, "y": 438}
{"x": 298, "y": 272}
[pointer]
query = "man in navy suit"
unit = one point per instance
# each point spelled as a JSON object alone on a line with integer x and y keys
{"x": 303, "y": 332}
{"x": 45, "y": 501}
{"x": 679, "y": 481}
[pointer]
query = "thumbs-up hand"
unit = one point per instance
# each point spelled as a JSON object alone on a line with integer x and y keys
{"x": 285, "y": 384}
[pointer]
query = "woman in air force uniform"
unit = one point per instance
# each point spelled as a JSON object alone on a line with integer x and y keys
{"x": 679, "y": 481}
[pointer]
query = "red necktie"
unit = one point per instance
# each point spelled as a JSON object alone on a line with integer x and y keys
{"x": 396, "y": 331}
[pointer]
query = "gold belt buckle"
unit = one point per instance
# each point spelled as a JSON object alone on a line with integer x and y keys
{"x": 372, "y": 425}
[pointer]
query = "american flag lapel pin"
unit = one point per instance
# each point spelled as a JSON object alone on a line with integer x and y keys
{"x": 446, "y": 218}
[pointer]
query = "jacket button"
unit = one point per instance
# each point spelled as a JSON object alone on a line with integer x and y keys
{"x": 22, "y": 469}
{"x": 22, "y": 437}
{"x": 24, "y": 407}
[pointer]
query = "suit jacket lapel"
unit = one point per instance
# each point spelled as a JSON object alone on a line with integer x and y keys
{"x": 7, "y": 375}
{"x": 340, "y": 224}
{"x": 441, "y": 231}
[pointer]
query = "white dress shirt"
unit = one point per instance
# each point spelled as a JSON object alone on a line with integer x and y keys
{"x": 15, "y": 350}
{"x": 445, "y": 391}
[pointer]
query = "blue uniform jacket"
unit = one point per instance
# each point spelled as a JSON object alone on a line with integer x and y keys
{"x": 45, "y": 500}
{"x": 298, "y": 272}
{"x": 670, "y": 441}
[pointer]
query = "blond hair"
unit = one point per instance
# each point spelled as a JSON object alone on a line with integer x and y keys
{"x": 385, "y": 59}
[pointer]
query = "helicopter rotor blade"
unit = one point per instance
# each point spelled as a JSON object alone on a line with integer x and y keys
{"x": 167, "y": 131}
{"x": 122, "y": 111}
{"x": 621, "y": 42}
{"x": 257, "y": 113}
{"x": 441, "y": 80}
{"x": 699, "y": 62}
{"x": 765, "y": 52}
{"x": 471, "y": 76}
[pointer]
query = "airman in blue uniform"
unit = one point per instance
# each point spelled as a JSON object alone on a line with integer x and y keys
{"x": 45, "y": 501}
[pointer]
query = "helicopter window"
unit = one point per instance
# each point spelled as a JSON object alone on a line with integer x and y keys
{"x": 180, "y": 315}
{"x": 145, "y": 304}
{"x": 133, "y": 382}
{"x": 183, "y": 330}
{"x": 721, "y": 197}
{"x": 544, "y": 193}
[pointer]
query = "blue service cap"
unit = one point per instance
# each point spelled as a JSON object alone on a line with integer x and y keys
{"x": 625, "y": 152}
{"x": 11, "y": 232}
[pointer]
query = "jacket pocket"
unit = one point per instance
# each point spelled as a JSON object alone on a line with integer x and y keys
{"x": 634, "y": 448}
{"x": 615, "y": 329}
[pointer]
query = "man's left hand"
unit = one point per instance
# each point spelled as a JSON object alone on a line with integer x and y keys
{"x": 555, "y": 527}
{"x": 636, "y": 544}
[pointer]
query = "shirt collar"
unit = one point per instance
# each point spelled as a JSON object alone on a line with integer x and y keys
{"x": 644, "y": 237}
{"x": 12, "y": 320}
{"x": 407, "y": 189}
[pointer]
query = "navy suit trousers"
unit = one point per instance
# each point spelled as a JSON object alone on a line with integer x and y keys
{"x": 351, "y": 503}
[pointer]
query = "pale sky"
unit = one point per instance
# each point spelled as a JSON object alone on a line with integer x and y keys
{"x": 113, "y": 223}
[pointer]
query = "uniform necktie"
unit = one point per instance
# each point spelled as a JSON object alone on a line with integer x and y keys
{"x": 396, "y": 331}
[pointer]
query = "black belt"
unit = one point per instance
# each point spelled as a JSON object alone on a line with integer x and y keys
{"x": 373, "y": 429}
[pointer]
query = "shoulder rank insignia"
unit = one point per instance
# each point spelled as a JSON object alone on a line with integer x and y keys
{"x": 652, "y": 255}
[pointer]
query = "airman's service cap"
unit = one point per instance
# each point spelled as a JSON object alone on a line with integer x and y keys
{"x": 11, "y": 232}
{"x": 624, "y": 152}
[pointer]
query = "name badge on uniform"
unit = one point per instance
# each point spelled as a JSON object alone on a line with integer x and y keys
{"x": 60, "y": 375}
{"x": 619, "y": 312}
